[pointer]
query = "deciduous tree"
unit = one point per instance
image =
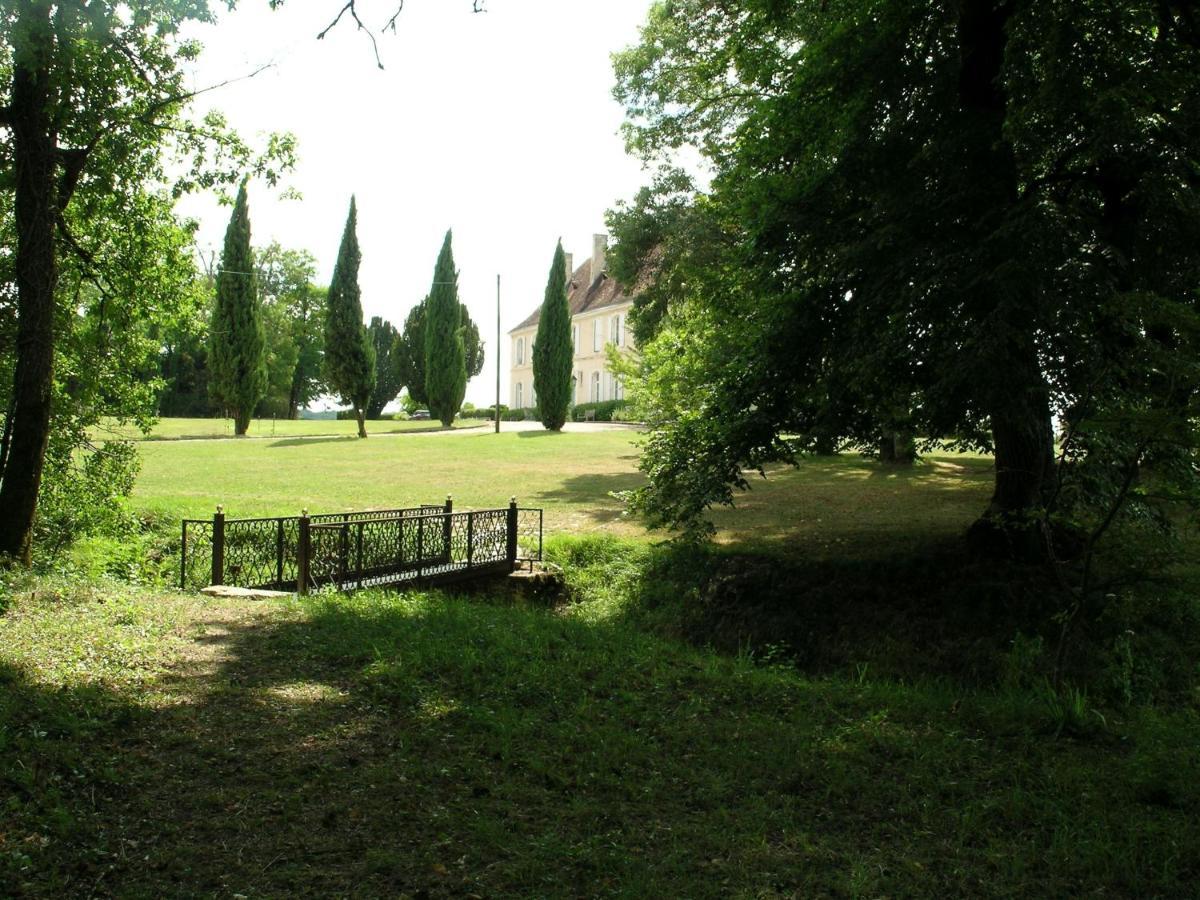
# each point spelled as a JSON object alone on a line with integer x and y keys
{"x": 93, "y": 95}
{"x": 385, "y": 341}
{"x": 986, "y": 209}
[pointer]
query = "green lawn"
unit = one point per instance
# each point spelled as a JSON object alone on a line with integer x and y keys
{"x": 427, "y": 745}
{"x": 201, "y": 429}
{"x": 830, "y": 504}
{"x": 889, "y": 735}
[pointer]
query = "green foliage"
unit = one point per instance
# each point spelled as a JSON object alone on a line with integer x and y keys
{"x": 409, "y": 356}
{"x": 483, "y": 412}
{"x": 386, "y": 342}
{"x": 113, "y": 149}
{"x": 445, "y": 356}
{"x": 349, "y": 356}
{"x": 472, "y": 343}
{"x": 409, "y": 353}
{"x": 961, "y": 246}
{"x": 183, "y": 361}
{"x": 84, "y": 494}
{"x": 604, "y": 411}
{"x": 236, "y": 343}
{"x": 109, "y": 337}
{"x": 553, "y": 352}
{"x": 294, "y": 308}
{"x": 280, "y": 359}
{"x": 524, "y": 414}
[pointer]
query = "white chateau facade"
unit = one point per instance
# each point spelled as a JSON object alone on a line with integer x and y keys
{"x": 599, "y": 309}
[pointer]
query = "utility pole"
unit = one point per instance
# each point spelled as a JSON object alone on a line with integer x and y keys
{"x": 497, "y": 353}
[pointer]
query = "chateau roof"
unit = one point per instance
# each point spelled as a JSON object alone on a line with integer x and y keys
{"x": 585, "y": 294}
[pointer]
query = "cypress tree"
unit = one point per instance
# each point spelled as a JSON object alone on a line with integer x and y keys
{"x": 237, "y": 369}
{"x": 445, "y": 357}
{"x": 552, "y": 350}
{"x": 349, "y": 356}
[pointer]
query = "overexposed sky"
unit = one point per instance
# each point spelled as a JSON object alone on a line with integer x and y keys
{"x": 500, "y": 125}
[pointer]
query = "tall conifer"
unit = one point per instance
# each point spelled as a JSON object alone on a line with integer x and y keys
{"x": 552, "y": 349}
{"x": 445, "y": 357}
{"x": 349, "y": 356}
{"x": 237, "y": 369}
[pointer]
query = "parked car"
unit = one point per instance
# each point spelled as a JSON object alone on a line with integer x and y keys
{"x": 420, "y": 414}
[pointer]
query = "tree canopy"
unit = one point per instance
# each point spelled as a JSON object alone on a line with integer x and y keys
{"x": 974, "y": 219}
{"x": 93, "y": 111}
{"x": 385, "y": 340}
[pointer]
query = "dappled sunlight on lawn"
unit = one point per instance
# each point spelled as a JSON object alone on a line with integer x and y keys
{"x": 851, "y": 505}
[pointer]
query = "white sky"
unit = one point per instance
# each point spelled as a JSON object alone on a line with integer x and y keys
{"x": 500, "y": 125}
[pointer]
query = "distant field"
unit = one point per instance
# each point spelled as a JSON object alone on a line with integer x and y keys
{"x": 827, "y": 504}
{"x": 182, "y": 429}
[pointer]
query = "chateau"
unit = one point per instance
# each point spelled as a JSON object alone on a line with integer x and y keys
{"x": 598, "y": 318}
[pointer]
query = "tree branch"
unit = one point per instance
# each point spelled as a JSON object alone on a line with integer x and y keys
{"x": 391, "y": 23}
{"x": 73, "y": 162}
{"x": 349, "y": 8}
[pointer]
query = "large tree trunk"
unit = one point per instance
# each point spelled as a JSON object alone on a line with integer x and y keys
{"x": 362, "y": 428}
{"x": 34, "y": 160}
{"x": 1015, "y": 392}
{"x": 1023, "y": 444}
{"x": 294, "y": 397}
{"x": 241, "y": 422}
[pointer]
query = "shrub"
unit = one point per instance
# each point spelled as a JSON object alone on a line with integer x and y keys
{"x": 484, "y": 412}
{"x": 606, "y": 411}
{"x": 526, "y": 414}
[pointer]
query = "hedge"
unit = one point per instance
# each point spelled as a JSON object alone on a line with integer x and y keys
{"x": 605, "y": 411}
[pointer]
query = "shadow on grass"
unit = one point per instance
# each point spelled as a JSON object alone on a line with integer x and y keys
{"x": 593, "y": 493}
{"x": 851, "y": 507}
{"x": 374, "y": 745}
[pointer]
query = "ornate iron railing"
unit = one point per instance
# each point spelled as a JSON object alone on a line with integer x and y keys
{"x": 354, "y": 550}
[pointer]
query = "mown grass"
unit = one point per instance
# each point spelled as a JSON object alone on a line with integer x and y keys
{"x": 834, "y": 506}
{"x": 434, "y": 745}
{"x": 176, "y": 429}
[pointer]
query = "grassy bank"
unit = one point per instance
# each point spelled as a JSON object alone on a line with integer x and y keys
{"x": 384, "y": 744}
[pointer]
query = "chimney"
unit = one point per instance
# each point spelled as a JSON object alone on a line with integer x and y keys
{"x": 570, "y": 268}
{"x": 599, "y": 249}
